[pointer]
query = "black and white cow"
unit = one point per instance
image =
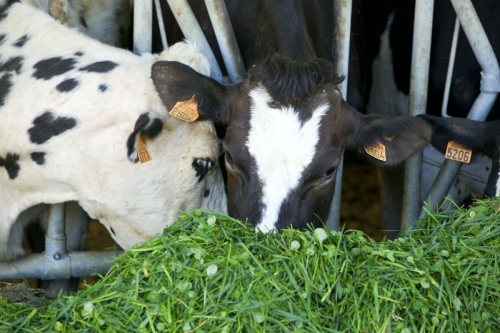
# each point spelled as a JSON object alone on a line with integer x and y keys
{"x": 72, "y": 110}
{"x": 389, "y": 31}
{"x": 287, "y": 125}
{"x": 481, "y": 138}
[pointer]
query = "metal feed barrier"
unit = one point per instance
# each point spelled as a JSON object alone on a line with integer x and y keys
{"x": 56, "y": 263}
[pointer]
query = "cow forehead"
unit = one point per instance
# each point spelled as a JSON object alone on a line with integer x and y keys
{"x": 282, "y": 145}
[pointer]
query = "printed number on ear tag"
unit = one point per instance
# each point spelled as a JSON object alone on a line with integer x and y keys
{"x": 457, "y": 152}
{"x": 186, "y": 110}
{"x": 377, "y": 150}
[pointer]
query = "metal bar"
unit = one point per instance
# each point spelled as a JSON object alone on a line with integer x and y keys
{"x": 161, "y": 25}
{"x": 342, "y": 13}
{"x": 449, "y": 73}
{"x": 421, "y": 50}
{"x": 489, "y": 88}
{"x": 226, "y": 39}
{"x": 32, "y": 266}
{"x": 55, "y": 240}
{"x": 143, "y": 27}
{"x": 192, "y": 31}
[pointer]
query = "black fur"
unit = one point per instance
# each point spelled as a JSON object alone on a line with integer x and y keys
{"x": 207, "y": 193}
{"x": 79, "y": 53}
{"x": 46, "y": 69}
{"x": 47, "y": 126}
{"x": 143, "y": 125}
{"x": 21, "y": 41}
{"x": 202, "y": 166}
{"x": 11, "y": 165}
{"x": 2, "y": 37}
{"x": 38, "y": 157}
{"x": 67, "y": 85}
{"x": 99, "y": 67}
{"x": 13, "y": 64}
{"x": 103, "y": 87}
{"x": 5, "y": 86}
{"x": 289, "y": 81}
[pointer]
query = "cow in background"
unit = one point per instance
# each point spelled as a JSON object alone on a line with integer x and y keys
{"x": 481, "y": 138}
{"x": 287, "y": 125}
{"x": 389, "y": 31}
{"x": 108, "y": 21}
{"x": 73, "y": 110}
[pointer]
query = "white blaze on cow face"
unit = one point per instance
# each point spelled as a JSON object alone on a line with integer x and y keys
{"x": 282, "y": 147}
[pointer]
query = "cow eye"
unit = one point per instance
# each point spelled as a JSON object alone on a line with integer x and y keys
{"x": 329, "y": 173}
{"x": 228, "y": 157}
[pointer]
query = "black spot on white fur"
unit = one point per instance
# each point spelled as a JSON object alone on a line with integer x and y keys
{"x": 12, "y": 65}
{"x": 2, "y": 37}
{"x": 21, "y": 41}
{"x": 10, "y": 164}
{"x": 5, "y": 86}
{"x": 46, "y": 126}
{"x": 103, "y": 87}
{"x": 67, "y": 85}
{"x": 112, "y": 231}
{"x": 38, "y": 157}
{"x": 99, "y": 67}
{"x": 202, "y": 166}
{"x": 46, "y": 69}
{"x": 146, "y": 126}
{"x": 79, "y": 53}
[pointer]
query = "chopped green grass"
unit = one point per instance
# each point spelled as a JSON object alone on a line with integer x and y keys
{"x": 211, "y": 273}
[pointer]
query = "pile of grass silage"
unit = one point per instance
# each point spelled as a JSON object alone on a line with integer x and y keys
{"x": 211, "y": 273}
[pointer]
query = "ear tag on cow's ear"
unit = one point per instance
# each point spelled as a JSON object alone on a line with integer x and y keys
{"x": 457, "y": 152}
{"x": 186, "y": 110}
{"x": 142, "y": 150}
{"x": 377, "y": 150}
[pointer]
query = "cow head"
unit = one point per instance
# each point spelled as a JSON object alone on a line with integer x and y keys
{"x": 287, "y": 127}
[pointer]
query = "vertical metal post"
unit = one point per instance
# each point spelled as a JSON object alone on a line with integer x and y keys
{"x": 225, "y": 38}
{"x": 143, "y": 27}
{"x": 55, "y": 243}
{"x": 342, "y": 13}
{"x": 161, "y": 25}
{"x": 421, "y": 50}
{"x": 192, "y": 31}
{"x": 489, "y": 88}
{"x": 449, "y": 73}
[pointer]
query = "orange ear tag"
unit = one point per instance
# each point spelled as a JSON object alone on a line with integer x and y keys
{"x": 187, "y": 110}
{"x": 377, "y": 150}
{"x": 457, "y": 152}
{"x": 142, "y": 150}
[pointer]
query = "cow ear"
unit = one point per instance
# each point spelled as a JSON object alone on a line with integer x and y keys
{"x": 176, "y": 82}
{"x": 389, "y": 140}
{"x": 475, "y": 135}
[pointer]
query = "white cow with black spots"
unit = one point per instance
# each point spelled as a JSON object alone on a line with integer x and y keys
{"x": 72, "y": 110}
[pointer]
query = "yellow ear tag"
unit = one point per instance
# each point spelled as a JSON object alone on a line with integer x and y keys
{"x": 187, "y": 110}
{"x": 457, "y": 152}
{"x": 142, "y": 150}
{"x": 377, "y": 150}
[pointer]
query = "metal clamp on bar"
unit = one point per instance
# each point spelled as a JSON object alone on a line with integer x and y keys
{"x": 490, "y": 83}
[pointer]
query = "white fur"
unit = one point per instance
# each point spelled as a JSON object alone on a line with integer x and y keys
{"x": 282, "y": 148}
{"x": 89, "y": 163}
